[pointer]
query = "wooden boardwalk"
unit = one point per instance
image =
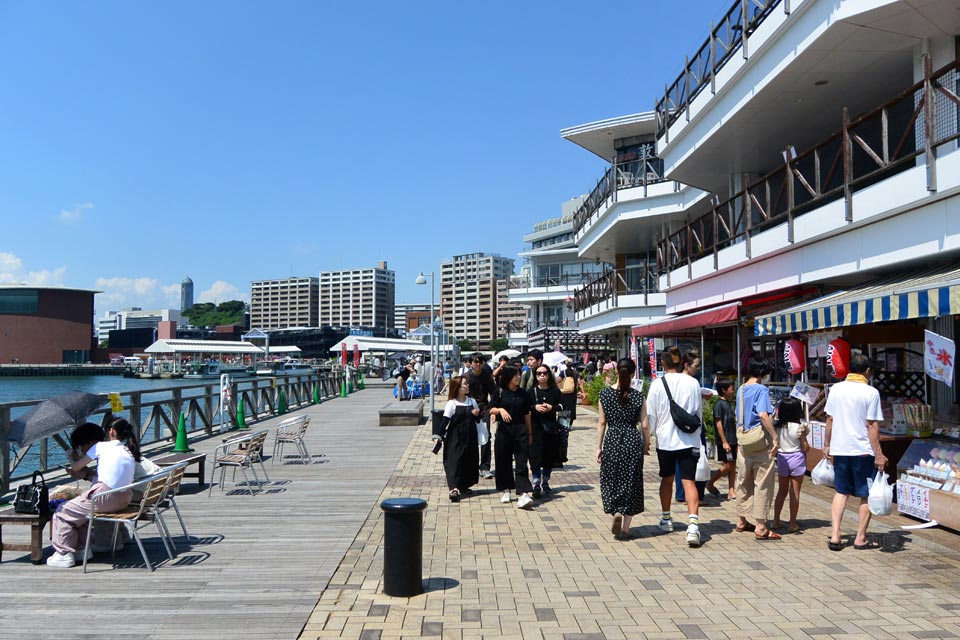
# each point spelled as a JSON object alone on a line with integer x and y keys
{"x": 256, "y": 565}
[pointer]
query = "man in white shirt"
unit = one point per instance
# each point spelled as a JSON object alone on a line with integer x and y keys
{"x": 675, "y": 448}
{"x": 853, "y": 443}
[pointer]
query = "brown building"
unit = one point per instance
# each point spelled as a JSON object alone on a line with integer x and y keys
{"x": 280, "y": 304}
{"x": 45, "y": 325}
{"x": 471, "y": 291}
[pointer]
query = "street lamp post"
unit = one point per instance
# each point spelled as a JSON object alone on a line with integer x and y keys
{"x": 422, "y": 279}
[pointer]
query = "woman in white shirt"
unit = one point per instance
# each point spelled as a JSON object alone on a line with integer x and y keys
{"x": 116, "y": 462}
{"x": 461, "y": 459}
{"x": 791, "y": 460}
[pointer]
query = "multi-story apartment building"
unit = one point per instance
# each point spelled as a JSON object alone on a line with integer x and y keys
{"x": 407, "y": 317}
{"x": 548, "y": 281}
{"x": 133, "y": 318}
{"x": 807, "y": 148}
{"x": 358, "y": 297}
{"x": 284, "y": 303}
{"x": 469, "y": 300}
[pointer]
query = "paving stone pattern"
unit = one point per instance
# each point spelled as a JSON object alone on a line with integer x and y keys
{"x": 493, "y": 571}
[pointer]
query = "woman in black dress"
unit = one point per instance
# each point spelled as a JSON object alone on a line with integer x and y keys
{"x": 620, "y": 450}
{"x": 461, "y": 460}
{"x": 544, "y": 400}
{"x": 511, "y": 449}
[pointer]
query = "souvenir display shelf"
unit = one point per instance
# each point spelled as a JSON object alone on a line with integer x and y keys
{"x": 894, "y": 447}
{"x": 928, "y": 486}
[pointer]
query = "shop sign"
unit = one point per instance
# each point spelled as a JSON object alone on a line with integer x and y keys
{"x": 805, "y": 393}
{"x": 819, "y": 343}
{"x": 913, "y": 500}
{"x": 938, "y": 357}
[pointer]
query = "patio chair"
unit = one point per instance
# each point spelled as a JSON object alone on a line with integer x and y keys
{"x": 240, "y": 453}
{"x": 291, "y": 431}
{"x": 170, "y": 500}
{"x": 136, "y": 516}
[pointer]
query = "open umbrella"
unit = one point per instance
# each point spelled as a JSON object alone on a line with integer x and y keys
{"x": 54, "y": 415}
{"x": 510, "y": 353}
{"x": 553, "y": 358}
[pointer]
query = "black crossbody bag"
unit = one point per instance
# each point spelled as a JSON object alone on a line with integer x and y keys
{"x": 685, "y": 421}
{"x": 33, "y": 498}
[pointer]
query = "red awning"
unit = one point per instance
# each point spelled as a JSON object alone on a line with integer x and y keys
{"x": 726, "y": 314}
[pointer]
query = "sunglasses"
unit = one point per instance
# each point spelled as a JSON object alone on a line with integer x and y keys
{"x": 543, "y": 373}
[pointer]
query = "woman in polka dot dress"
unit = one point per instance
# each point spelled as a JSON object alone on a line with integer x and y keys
{"x": 620, "y": 450}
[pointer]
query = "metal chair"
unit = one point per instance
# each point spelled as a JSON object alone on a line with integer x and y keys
{"x": 170, "y": 500}
{"x": 240, "y": 453}
{"x": 291, "y": 431}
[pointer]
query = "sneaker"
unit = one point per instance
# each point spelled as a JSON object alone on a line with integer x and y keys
{"x": 524, "y": 501}
{"x": 693, "y": 535}
{"x": 536, "y": 491}
{"x": 546, "y": 488}
{"x": 487, "y": 475}
{"x": 505, "y": 498}
{"x": 666, "y": 525}
{"x": 61, "y": 560}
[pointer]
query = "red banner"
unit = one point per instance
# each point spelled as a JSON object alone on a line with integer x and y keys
{"x": 653, "y": 358}
{"x": 356, "y": 355}
{"x": 343, "y": 354}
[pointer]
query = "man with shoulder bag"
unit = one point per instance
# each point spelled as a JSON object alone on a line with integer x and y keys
{"x": 483, "y": 388}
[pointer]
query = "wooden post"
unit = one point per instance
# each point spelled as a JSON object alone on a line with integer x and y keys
{"x": 716, "y": 235}
{"x": 885, "y": 132}
{"x": 786, "y": 7}
{"x": 666, "y": 114}
{"x": 790, "y": 194}
{"x": 4, "y": 450}
{"x": 686, "y": 81}
{"x": 816, "y": 170}
{"x": 713, "y": 60}
{"x": 136, "y": 414}
{"x": 929, "y": 123}
{"x": 744, "y": 7}
{"x": 847, "y": 167}
{"x": 747, "y": 215}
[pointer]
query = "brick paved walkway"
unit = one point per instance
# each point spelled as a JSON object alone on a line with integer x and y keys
{"x": 493, "y": 571}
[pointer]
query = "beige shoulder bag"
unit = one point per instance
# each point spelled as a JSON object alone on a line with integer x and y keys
{"x": 752, "y": 440}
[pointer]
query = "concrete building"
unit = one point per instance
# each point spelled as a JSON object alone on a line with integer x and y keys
{"x": 471, "y": 297}
{"x": 358, "y": 297}
{"x": 45, "y": 325}
{"x": 133, "y": 318}
{"x": 407, "y": 317}
{"x": 186, "y": 294}
{"x": 806, "y": 148}
{"x": 283, "y": 303}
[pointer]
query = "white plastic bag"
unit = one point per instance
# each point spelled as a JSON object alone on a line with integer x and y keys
{"x": 823, "y": 473}
{"x": 703, "y": 466}
{"x": 880, "y": 498}
{"x": 483, "y": 436}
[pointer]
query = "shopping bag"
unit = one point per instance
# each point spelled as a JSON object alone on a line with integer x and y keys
{"x": 483, "y": 436}
{"x": 823, "y": 473}
{"x": 880, "y": 498}
{"x": 703, "y": 466}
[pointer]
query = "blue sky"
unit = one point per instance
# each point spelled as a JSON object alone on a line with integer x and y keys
{"x": 236, "y": 141}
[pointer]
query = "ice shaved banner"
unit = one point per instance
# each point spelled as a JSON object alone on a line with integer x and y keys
{"x": 938, "y": 357}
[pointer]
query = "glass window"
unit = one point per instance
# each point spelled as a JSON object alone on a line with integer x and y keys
{"x": 20, "y": 302}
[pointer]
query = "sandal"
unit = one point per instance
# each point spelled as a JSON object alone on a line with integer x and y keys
{"x": 747, "y": 527}
{"x": 617, "y": 524}
{"x": 793, "y": 529}
{"x": 835, "y": 546}
{"x": 768, "y": 535}
{"x": 624, "y": 535}
{"x": 866, "y": 545}
{"x": 713, "y": 491}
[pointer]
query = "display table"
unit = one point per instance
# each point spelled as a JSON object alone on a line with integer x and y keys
{"x": 929, "y": 484}
{"x": 892, "y": 446}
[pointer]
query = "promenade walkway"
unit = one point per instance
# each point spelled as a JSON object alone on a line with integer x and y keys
{"x": 496, "y": 572}
{"x": 256, "y": 564}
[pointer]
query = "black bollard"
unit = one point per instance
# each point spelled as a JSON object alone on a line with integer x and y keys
{"x": 403, "y": 546}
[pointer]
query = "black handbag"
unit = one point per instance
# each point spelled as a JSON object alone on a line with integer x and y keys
{"x": 685, "y": 421}
{"x": 549, "y": 426}
{"x": 33, "y": 498}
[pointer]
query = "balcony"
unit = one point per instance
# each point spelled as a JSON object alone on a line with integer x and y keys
{"x": 619, "y": 298}
{"x": 634, "y": 174}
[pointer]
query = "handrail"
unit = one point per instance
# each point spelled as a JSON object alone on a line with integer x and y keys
{"x": 154, "y": 413}
{"x": 551, "y": 281}
{"x": 639, "y": 172}
{"x": 725, "y": 39}
{"x": 605, "y": 289}
{"x": 867, "y": 149}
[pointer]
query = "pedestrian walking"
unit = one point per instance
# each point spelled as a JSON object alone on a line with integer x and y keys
{"x": 569, "y": 382}
{"x": 511, "y": 409}
{"x": 691, "y": 367}
{"x": 853, "y": 443}
{"x": 545, "y": 451}
{"x": 459, "y": 435}
{"x": 757, "y": 459}
{"x": 791, "y": 460}
{"x": 621, "y": 448}
{"x": 726, "y": 424}
{"x": 483, "y": 389}
{"x": 675, "y": 446}
{"x": 528, "y": 379}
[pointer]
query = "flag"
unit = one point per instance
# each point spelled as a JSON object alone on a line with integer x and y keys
{"x": 652, "y": 349}
{"x": 356, "y": 354}
{"x": 938, "y": 355}
{"x": 343, "y": 354}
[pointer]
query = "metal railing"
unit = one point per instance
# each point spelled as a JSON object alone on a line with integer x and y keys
{"x": 565, "y": 280}
{"x": 606, "y": 289}
{"x": 865, "y": 150}
{"x": 154, "y": 414}
{"x": 641, "y": 172}
{"x": 725, "y": 39}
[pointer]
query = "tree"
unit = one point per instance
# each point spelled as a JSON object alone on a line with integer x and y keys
{"x": 464, "y": 345}
{"x": 207, "y": 314}
{"x": 499, "y": 344}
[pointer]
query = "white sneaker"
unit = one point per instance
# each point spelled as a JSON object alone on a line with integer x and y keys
{"x": 524, "y": 501}
{"x": 505, "y": 498}
{"x": 693, "y": 535}
{"x": 666, "y": 525}
{"x": 61, "y": 560}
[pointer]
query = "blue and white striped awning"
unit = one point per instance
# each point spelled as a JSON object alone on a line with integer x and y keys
{"x": 925, "y": 294}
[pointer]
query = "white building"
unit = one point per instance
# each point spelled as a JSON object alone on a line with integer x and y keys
{"x": 133, "y": 318}
{"x": 817, "y": 154}
{"x": 284, "y": 303}
{"x": 473, "y": 296}
{"x": 358, "y": 297}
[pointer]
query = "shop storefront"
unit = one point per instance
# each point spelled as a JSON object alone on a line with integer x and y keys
{"x": 896, "y": 321}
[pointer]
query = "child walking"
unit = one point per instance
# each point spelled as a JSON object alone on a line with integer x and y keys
{"x": 726, "y": 424}
{"x": 791, "y": 460}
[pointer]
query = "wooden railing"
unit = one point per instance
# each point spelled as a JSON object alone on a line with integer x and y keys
{"x": 866, "y": 150}
{"x": 155, "y": 414}
{"x": 640, "y": 172}
{"x": 605, "y": 289}
{"x": 730, "y": 35}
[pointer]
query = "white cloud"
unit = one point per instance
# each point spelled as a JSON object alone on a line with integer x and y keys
{"x": 137, "y": 292}
{"x": 12, "y": 270}
{"x": 221, "y": 291}
{"x": 72, "y": 215}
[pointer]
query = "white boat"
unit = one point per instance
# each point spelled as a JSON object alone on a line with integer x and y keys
{"x": 213, "y": 370}
{"x": 289, "y": 367}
